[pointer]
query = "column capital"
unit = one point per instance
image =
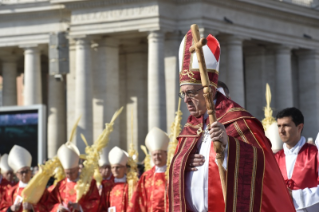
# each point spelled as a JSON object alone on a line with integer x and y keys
{"x": 155, "y": 35}
{"x": 232, "y": 39}
{"x": 280, "y": 49}
{"x": 311, "y": 53}
{"x": 204, "y": 32}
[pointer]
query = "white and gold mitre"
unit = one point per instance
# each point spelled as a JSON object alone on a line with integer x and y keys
{"x": 118, "y": 156}
{"x": 272, "y": 134}
{"x": 4, "y": 166}
{"x": 156, "y": 139}
{"x": 104, "y": 157}
{"x": 19, "y": 157}
{"x": 69, "y": 155}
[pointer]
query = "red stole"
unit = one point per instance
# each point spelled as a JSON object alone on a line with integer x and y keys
{"x": 305, "y": 172}
{"x": 119, "y": 197}
{"x": 149, "y": 193}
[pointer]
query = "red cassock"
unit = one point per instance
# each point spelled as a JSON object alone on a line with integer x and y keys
{"x": 4, "y": 187}
{"x": 149, "y": 193}
{"x": 106, "y": 188}
{"x": 254, "y": 181}
{"x": 65, "y": 192}
{"x": 11, "y": 195}
{"x": 305, "y": 173}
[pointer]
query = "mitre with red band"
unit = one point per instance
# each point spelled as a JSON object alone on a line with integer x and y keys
{"x": 189, "y": 69}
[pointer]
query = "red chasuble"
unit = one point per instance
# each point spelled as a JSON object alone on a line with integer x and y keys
{"x": 106, "y": 188}
{"x": 254, "y": 181}
{"x": 15, "y": 191}
{"x": 305, "y": 173}
{"x": 65, "y": 192}
{"x": 118, "y": 197}
{"x": 4, "y": 187}
{"x": 149, "y": 193}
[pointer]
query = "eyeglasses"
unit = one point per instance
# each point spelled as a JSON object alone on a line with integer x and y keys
{"x": 189, "y": 94}
{"x": 24, "y": 172}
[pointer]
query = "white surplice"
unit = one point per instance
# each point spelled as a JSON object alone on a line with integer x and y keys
{"x": 305, "y": 200}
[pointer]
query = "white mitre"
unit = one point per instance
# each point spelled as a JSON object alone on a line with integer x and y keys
{"x": 69, "y": 155}
{"x": 118, "y": 156}
{"x": 156, "y": 139}
{"x": 104, "y": 157}
{"x": 4, "y": 166}
{"x": 19, "y": 157}
{"x": 272, "y": 134}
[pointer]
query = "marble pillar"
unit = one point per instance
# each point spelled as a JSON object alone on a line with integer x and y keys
{"x": 83, "y": 92}
{"x": 255, "y": 81}
{"x": 235, "y": 69}
{"x": 308, "y": 66}
{"x": 9, "y": 75}
{"x": 172, "y": 43}
{"x": 32, "y": 76}
{"x": 56, "y": 115}
{"x": 283, "y": 78}
{"x": 106, "y": 88}
{"x": 70, "y": 88}
{"x": 156, "y": 81}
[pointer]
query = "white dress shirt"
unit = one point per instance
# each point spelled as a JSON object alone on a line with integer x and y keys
{"x": 160, "y": 169}
{"x": 305, "y": 200}
{"x": 196, "y": 182}
{"x": 120, "y": 180}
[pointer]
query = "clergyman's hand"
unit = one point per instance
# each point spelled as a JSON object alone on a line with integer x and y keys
{"x": 15, "y": 207}
{"x": 218, "y": 133}
{"x": 194, "y": 160}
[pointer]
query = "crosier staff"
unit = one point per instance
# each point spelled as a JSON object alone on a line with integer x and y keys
{"x": 198, "y": 44}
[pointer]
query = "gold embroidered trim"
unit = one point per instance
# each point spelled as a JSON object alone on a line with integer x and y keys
{"x": 242, "y": 117}
{"x": 253, "y": 180}
{"x": 234, "y": 109}
{"x": 189, "y": 74}
{"x": 264, "y": 163}
{"x": 194, "y": 126}
{"x": 241, "y": 134}
{"x": 236, "y": 175}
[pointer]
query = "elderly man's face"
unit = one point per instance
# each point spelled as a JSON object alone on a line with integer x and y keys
{"x": 105, "y": 171}
{"x": 24, "y": 174}
{"x": 118, "y": 170}
{"x": 196, "y": 105}
{"x": 159, "y": 157}
{"x": 8, "y": 175}
{"x": 72, "y": 174}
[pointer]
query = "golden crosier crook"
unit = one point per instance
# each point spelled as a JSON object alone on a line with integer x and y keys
{"x": 198, "y": 44}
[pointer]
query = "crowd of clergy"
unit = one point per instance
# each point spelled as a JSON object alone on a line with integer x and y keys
{"x": 114, "y": 191}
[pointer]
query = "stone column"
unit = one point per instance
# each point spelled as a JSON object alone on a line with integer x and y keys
{"x": 9, "y": 75}
{"x": 156, "y": 81}
{"x": 83, "y": 92}
{"x": 172, "y": 75}
{"x": 235, "y": 69}
{"x": 255, "y": 81}
{"x": 308, "y": 66}
{"x": 106, "y": 87}
{"x": 32, "y": 76}
{"x": 283, "y": 78}
{"x": 56, "y": 115}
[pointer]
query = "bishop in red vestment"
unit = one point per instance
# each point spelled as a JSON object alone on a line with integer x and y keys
{"x": 62, "y": 197}
{"x": 150, "y": 192}
{"x": 6, "y": 170}
{"x": 254, "y": 181}
{"x": 19, "y": 160}
{"x": 4, "y": 186}
{"x": 116, "y": 197}
{"x": 298, "y": 161}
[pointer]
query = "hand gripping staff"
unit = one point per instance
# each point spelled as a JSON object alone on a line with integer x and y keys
{"x": 197, "y": 47}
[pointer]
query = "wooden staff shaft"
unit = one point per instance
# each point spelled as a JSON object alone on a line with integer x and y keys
{"x": 198, "y": 43}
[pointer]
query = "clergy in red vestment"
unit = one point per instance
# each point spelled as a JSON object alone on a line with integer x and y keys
{"x": 150, "y": 191}
{"x": 4, "y": 185}
{"x": 6, "y": 170}
{"x": 62, "y": 197}
{"x": 19, "y": 160}
{"x": 116, "y": 199}
{"x": 298, "y": 161}
{"x": 254, "y": 181}
{"x": 105, "y": 171}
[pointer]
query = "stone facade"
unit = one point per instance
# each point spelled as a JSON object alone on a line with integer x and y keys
{"x": 124, "y": 53}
